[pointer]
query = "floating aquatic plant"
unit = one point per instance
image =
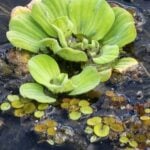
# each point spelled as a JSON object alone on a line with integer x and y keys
{"x": 38, "y": 114}
{"x": 12, "y": 98}
{"x": 76, "y": 108}
{"x": 86, "y": 31}
{"x": 45, "y": 70}
{"x": 5, "y": 106}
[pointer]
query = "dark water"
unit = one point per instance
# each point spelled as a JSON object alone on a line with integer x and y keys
{"x": 15, "y": 135}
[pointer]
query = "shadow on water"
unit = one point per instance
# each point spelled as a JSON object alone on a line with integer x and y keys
{"x": 15, "y": 137}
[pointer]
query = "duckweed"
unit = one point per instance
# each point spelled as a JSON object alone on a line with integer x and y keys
{"x": 74, "y": 101}
{"x": 86, "y": 110}
{"x": 38, "y": 114}
{"x": 19, "y": 113}
{"x": 17, "y": 104}
{"x": 94, "y": 121}
{"x": 74, "y": 115}
{"x": 101, "y": 130}
{"x": 117, "y": 127}
{"x": 51, "y": 131}
{"x": 145, "y": 118}
{"x": 40, "y": 128}
{"x": 65, "y": 105}
{"x": 88, "y": 130}
{"x": 109, "y": 120}
{"x": 84, "y": 103}
{"x": 5, "y": 106}
{"x": 29, "y": 108}
{"x": 124, "y": 139}
{"x": 50, "y": 123}
{"x": 76, "y": 107}
{"x": 133, "y": 144}
{"x": 147, "y": 110}
{"x": 42, "y": 106}
{"x": 12, "y": 98}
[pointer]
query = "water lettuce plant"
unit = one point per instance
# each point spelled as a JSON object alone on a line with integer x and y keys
{"x": 45, "y": 71}
{"x": 86, "y": 31}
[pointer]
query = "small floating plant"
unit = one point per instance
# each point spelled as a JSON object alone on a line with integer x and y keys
{"x": 90, "y": 34}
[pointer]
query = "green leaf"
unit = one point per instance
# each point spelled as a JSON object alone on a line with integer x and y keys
{"x": 93, "y": 18}
{"x": 40, "y": 14}
{"x": 43, "y": 68}
{"x": 123, "y": 30}
{"x": 35, "y": 91}
{"x": 107, "y": 54}
{"x": 65, "y": 25}
{"x": 23, "y": 41}
{"x": 24, "y": 32}
{"x": 124, "y": 64}
{"x": 52, "y": 44}
{"x": 85, "y": 81}
{"x": 60, "y": 84}
{"x": 101, "y": 130}
{"x": 105, "y": 75}
{"x": 45, "y": 71}
{"x": 72, "y": 54}
{"x": 56, "y": 8}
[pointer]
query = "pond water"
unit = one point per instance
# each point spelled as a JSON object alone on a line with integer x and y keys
{"x": 16, "y": 133}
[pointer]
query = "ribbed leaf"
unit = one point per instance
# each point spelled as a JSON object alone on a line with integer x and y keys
{"x": 124, "y": 64}
{"x": 43, "y": 68}
{"x": 35, "y": 91}
{"x": 107, "y": 54}
{"x": 72, "y": 54}
{"x": 60, "y": 84}
{"x": 105, "y": 75}
{"x": 92, "y": 18}
{"x": 24, "y": 32}
{"x": 123, "y": 30}
{"x": 85, "y": 81}
{"x": 56, "y": 8}
{"x": 52, "y": 44}
{"x": 40, "y": 14}
{"x": 65, "y": 25}
{"x": 23, "y": 41}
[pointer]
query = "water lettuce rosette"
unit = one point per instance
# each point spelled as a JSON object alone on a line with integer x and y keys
{"x": 87, "y": 31}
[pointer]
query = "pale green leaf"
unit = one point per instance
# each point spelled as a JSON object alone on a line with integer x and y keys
{"x": 105, "y": 75}
{"x": 123, "y": 30}
{"x": 43, "y": 68}
{"x": 60, "y": 84}
{"x": 65, "y": 25}
{"x": 85, "y": 81}
{"x": 124, "y": 64}
{"x": 56, "y": 8}
{"x": 24, "y": 32}
{"x": 52, "y": 44}
{"x": 35, "y": 91}
{"x": 108, "y": 53}
{"x": 44, "y": 19}
{"x": 93, "y": 18}
{"x": 60, "y": 36}
{"x": 23, "y": 41}
{"x": 72, "y": 54}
